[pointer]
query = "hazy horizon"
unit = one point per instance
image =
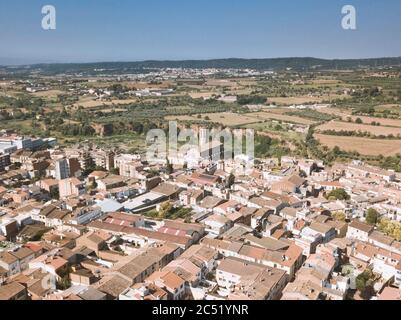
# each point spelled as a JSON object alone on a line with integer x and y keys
{"x": 178, "y": 60}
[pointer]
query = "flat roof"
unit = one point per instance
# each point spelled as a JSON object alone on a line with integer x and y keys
{"x": 142, "y": 200}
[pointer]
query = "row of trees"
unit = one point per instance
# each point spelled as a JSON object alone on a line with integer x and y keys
{"x": 360, "y": 134}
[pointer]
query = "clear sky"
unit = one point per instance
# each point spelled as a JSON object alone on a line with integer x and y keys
{"x": 127, "y": 30}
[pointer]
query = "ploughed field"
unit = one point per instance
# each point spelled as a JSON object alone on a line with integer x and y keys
{"x": 306, "y": 99}
{"x": 369, "y": 146}
{"x": 372, "y": 129}
{"x": 364, "y": 146}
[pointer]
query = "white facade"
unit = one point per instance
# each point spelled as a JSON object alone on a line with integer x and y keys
{"x": 357, "y": 234}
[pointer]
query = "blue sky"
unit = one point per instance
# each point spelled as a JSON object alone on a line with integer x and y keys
{"x": 126, "y": 30}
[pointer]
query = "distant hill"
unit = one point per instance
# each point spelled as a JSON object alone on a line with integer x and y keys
{"x": 232, "y": 63}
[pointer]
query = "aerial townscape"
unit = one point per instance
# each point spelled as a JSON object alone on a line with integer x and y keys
{"x": 85, "y": 215}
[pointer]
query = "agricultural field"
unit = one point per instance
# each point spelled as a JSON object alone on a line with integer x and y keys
{"x": 278, "y": 110}
{"x": 336, "y": 111}
{"x": 346, "y": 114}
{"x": 56, "y": 112}
{"x": 143, "y": 85}
{"x": 389, "y": 107}
{"x": 203, "y": 95}
{"x": 221, "y": 83}
{"x": 235, "y": 119}
{"x": 287, "y": 101}
{"x": 91, "y": 103}
{"x": 363, "y": 146}
{"x": 326, "y": 82}
{"x": 347, "y": 126}
{"x": 228, "y": 119}
{"x": 50, "y": 94}
{"x": 262, "y": 116}
{"x": 240, "y": 91}
{"x": 369, "y": 120}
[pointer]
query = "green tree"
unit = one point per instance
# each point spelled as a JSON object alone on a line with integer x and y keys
{"x": 364, "y": 284}
{"x": 166, "y": 209}
{"x": 338, "y": 194}
{"x": 63, "y": 283}
{"x": 339, "y": 216}
{"x": 372, "y": 216}
{"x": 54, "y": 193}
{"x": 391, "y": 228}
{"x": 336, "y": 151}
